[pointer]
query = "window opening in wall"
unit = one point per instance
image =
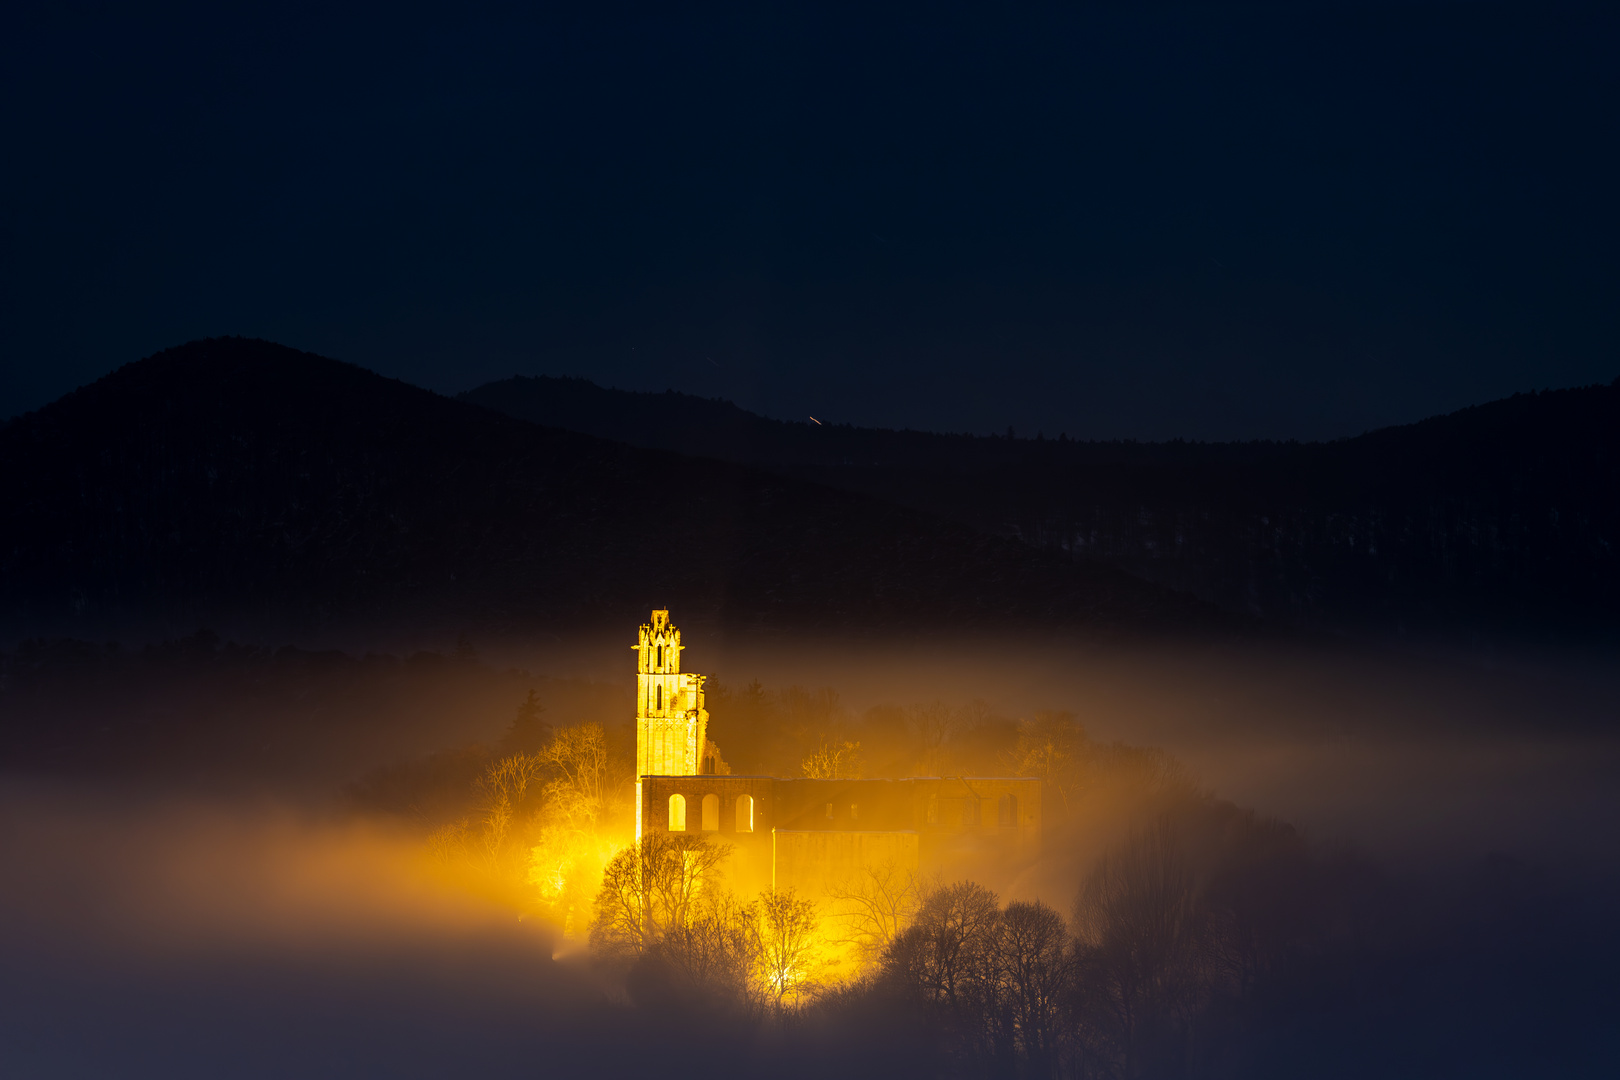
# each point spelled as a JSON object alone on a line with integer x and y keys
{"x": 660, "y": 693}
{"x": 1007, "y": 811}
{"x": 660, "y": 656}
{"x": 677, "y": 813}
{"x": 970, "y": 810}
{"x": 933, "y": 810}
{"x": 745, "y": 813}
{"x": 711, "y": 813}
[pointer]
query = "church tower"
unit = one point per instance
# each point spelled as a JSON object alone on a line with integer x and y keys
{"x": 671, "y": 722}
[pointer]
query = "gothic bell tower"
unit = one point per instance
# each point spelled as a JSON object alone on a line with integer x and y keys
{"x": 671, "y": 722}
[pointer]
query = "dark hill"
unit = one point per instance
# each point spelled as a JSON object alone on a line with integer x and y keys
{"x": 232, "y": 479}
{"x": 1500, "y": 518}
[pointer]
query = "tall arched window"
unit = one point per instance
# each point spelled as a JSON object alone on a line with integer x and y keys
{"x": 677, "y": 813}
{"x": 745, "y": 813}
{"x": 659, "y": 691}
{"x": 711, "y": 813}
{"x": 660, "y": 656}
{"x": 1007, "y": 810}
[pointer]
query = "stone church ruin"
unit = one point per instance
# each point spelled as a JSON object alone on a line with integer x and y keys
{"x": 811, "y": 834}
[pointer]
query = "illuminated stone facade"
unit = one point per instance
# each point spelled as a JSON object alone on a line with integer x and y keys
{"x": 671, "y": 722}
{"x": 809, "y": 833}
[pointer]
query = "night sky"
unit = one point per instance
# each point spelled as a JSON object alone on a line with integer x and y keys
{"x": 1118, "y": 220}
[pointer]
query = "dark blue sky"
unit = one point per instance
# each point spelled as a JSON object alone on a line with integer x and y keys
{"x": 1212, "y": 220}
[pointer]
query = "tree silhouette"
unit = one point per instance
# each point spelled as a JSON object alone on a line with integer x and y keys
{"x": 649, "y": 888}
{"x": 529, "y": 732}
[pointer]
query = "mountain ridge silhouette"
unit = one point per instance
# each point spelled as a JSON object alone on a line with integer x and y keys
{"x": 238, "y": 479}
{"x": 1503, "y": 516}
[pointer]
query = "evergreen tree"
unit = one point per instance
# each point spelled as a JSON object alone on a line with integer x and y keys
{"x": 530, "y": 732}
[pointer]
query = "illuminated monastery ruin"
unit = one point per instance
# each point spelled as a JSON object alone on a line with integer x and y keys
{"x": 671, "y": 723}
{"x": 810, "y": 833}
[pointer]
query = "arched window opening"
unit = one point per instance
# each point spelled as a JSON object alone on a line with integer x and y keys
{"x": 970, "y": 810}
{"x": 711, "y": 813}
{"x": 660, "y": 657}
{"x": 1007, "y": 811}
{"x": 659, "y": 693}
{"x": 745, "y": 813}
{"x": 677, "y": 813}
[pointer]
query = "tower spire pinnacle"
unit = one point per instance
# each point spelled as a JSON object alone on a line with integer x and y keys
{"x": 671, "y": 722}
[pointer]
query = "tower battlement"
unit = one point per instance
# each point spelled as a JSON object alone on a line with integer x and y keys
{"x": 671, "y": 722}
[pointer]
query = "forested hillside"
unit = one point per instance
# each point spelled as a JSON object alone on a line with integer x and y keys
{"x": 1501, "y": 517}
{"x": 240, "y": 478}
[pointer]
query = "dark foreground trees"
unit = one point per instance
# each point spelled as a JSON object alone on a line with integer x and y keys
{"x": 653, "y": 890}
{"x": 1151, "y": 975}
{"x": 993, "y": 982}
{"x": 1208, "y": 944}
{"x": 665, "y": 912}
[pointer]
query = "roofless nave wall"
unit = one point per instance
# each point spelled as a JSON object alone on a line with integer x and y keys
{"x": 808, "y": 834}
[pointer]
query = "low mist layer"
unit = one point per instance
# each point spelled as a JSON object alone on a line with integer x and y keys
{"x": 207, "y": 939}
{"x": 263, "y": 862}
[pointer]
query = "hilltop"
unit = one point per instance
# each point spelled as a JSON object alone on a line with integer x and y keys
{"x": 233, "y": 479}
{"x": 1500, "y": 518}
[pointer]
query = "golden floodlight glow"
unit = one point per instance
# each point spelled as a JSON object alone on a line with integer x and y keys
{"x": 671, "y": 723}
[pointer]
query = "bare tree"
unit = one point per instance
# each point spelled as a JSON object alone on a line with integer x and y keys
{"x": 787, "y": 945}
{"x": 580, "y": 755}
{"x": 651, "y": 887}
{"x": 1144, "y": 953}
{"x": 950, "y": 947}
{"x": 833, "y": 761}
{"x": 874, "y": 905}
{"x": 1051, "y": 746}
{"x": 717, "y": 950}
{"x": 931, "y": 724}
{"x": 503, "y": 791}
{"x": 1147, "y": 774}
{"x": 1033, "y": 965}
{"x": 447, "y": 844}
{"x": 990, "y": 991}
{"x": 570, "y": 838}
